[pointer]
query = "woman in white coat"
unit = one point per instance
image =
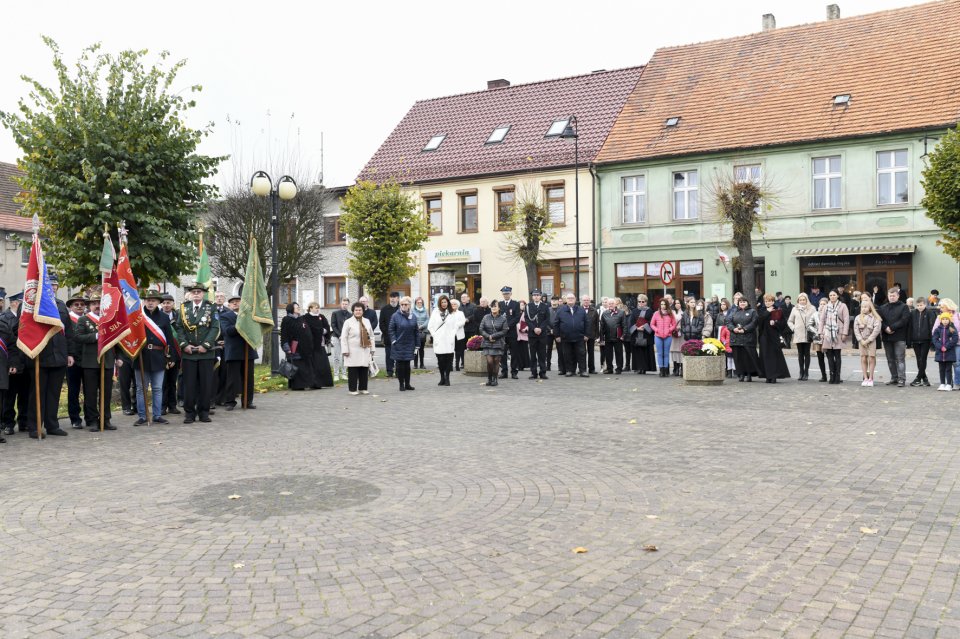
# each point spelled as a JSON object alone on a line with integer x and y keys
{"x": 443, "y": 326}
{"x": 356, "y": 343}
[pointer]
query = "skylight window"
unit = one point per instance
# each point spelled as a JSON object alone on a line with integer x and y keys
{"x": 843, "y": 98}
{"x": 674, "y": 121}
{"x": 557, "y": 127}
{"x": 498, "y": 134}
{"x": 434, "y": 142}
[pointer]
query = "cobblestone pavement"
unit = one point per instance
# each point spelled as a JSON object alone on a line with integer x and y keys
{"x": 788, "y": 510}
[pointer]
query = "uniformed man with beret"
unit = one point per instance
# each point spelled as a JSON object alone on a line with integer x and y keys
{"x": 198, "y": 328}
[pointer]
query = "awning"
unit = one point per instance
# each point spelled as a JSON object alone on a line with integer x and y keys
{"x": 857, "y": 250}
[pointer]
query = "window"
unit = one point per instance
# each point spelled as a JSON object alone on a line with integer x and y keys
{"x": 685, "y": 193}
{"x": 634, "y": 189}
{"x": 674, "y": 121}
{"x": 826, "y": 182}
{"x": 892, "y": 177}
{"x": 498, "y": 134}
{"x": 434, "y": 214}
{"x": 557, "y": 127}
{"x": 505, "y": 200}
{"x": 331, "y": 230}
{"x": 25, "y": 254}
{"x": 556, "y": 203}
{"x": 434, "y": 142}
{"x": 334, "y": 290}
{"x": 288, "y": 293}
{"x": 751, "y": 174}
{"x": 468, "y": 213}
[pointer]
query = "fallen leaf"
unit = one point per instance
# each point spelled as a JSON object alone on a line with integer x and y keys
{"x": 632, "y": 421}
{"x": 650, "y": 548}
{"x": 653, "y": 517}
{"x": 809, "y": 423}
{"x": 234, "y": 497}
{"x": 872, "y": 432}
{"x": 376, "y": 396}
{"x": 580, "y": 550}
{"x": 634, "y": 390}
{"x": 238, "y": 565}
{"x": 285, "y": 492}
{"x": 868, "y": 531}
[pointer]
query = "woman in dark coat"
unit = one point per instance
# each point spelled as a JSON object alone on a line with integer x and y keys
{"x": 771, "y": 326}
{"x": 493, "y": 328}
{"x": 641, "y": 337}
{"x": 297, "y": 342}
{"x": 743, "y": 339}
{"x": 320, "y": 332}
{"x": 405, "y": 339}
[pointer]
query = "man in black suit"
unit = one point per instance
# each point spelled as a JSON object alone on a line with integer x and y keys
{"x": 538, "y": 330}
{"x": 510, "y": 309}
{"x": 170, "y": 377}
{"x": 237, "y": 355}
{"x": 386, "y": 313}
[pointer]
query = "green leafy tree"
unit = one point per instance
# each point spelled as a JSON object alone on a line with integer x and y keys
{"x": 530, "y": 230}
{"x": 383, "y": 226}
{"x": 941, "y": 183}
{"x": 110, "y": 144}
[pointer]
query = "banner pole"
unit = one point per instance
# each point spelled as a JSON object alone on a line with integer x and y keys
{"x": 101, "y": 394}
{"x": 143, "y": 389}
{"x": 36, "y": 370}
{"x": 246, "y": 372}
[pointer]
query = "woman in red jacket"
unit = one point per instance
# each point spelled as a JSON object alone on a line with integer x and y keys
{"x": 664, "y": 323}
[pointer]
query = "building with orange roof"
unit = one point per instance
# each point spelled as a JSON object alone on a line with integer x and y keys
{"x": 834, "y": 118}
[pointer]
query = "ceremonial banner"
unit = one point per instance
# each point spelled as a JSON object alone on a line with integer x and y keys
{"x": 114, "y": 324}
{"x": 255, "y": 314}
{"x": 134, "y": 342}
{"x": 40, "y": 318}
{"x": 203, "y": 272}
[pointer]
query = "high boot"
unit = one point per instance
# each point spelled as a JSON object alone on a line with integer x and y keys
{"x": 679, "y": 370}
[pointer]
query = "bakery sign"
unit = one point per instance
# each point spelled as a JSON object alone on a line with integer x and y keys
{"x": 453, "y": 256}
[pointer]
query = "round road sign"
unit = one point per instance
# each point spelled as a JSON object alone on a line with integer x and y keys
{"x": 666, "y": 273}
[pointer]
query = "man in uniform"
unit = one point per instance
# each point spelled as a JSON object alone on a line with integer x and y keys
{"x": 52, "y": 362}
{"x": 172, "y": 373}
{"x": 337, "y": 318}
{"x": 237, "y": 355}
{"x": 510, "y": 309}
{"x": 78, "y": 306}
{"x": 220, "y": 378}
{"x": 18, "y": 390}
{"x": 198, "y": 329}
{"x": 385, "y": 314}
{"x": 87, "y": 339}
{"x": 538, "y": 330}
{"x": 155, "y": 357}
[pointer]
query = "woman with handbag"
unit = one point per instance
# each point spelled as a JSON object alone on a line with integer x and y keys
{"x": 443, "y": 326}
{"x": 320, "y": 331}
{"x": 641, "y": 334}
{"x": 803, "y": 334}
{"x": 420, "y": 312}
{"x": 743, "y": 341}
{"x": 356, "y": 340}
{"x": 296, "y": 340}
{"x": 404, "y": 341}
{"x": 493, "y": 329}
{"x": 834, "y": 325}
{"x": 771, "y": 325}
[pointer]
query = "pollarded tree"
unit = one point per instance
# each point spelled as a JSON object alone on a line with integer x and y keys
{"x": 530, "y": 230}
{"x": 941, "y": 183}
{"x": 383, "y": 226}
{"x": 110, "y": 144}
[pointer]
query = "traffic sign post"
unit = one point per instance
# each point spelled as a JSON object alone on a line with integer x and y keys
{"x": 666, "y": 275}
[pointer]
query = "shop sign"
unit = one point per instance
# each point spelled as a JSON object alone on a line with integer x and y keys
{"x": 829, "y": 261}
{"x": 887, "y": 260}
{"x": 453, "y": 256}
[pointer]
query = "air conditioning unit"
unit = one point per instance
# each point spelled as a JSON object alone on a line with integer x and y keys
{"x": 473, "y": 269}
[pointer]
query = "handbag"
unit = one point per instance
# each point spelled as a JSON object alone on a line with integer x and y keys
{"x": 640, "y": 338}
{"x": 374, "y": 369}
{"x": 288, "y": 369}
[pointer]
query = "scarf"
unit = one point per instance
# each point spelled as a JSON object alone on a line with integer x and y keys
{"x": 832, "y": 322}
{"x": 364, "y": 335}
{"x": 421, "y": 315}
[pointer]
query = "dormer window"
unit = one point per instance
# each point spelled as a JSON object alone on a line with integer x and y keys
{"x": 498, "y": 134}
{"x": 557, "y": 127}
{"x": 434, "y": 142}
{"x": 671, "y": 122}
{"x": 841, "y": 100}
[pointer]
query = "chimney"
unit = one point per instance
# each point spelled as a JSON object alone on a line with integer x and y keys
{"x": 769, "y": 22}
{"x": 833, "y": 12}
{"x": 497, "y": 84}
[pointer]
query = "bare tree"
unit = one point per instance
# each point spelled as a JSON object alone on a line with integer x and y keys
{"x": 530, "y": 230}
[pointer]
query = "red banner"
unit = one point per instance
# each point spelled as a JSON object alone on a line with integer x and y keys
{"x": 39, "y": 318}
{"x": 134, "y": 342}
{"x": 114, "y": 325}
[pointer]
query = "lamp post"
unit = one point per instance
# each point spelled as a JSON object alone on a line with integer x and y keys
{"x": 571, "y": 132}
{"x": 285, "y": 189}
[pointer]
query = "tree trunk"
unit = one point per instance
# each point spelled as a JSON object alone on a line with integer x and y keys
{"x": 531, "y": 270}
{"x": 747, "y": 269}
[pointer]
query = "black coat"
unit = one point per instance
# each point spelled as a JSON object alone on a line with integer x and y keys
{"x": 510, "y": 310}
{"x": 921, "y": 325}
{"x": 61, "y": 345}
{"x": 233, "y": 342}
{"x": 593, "y": 322}
{"x": 611, "y": 322}
{"x": 295, "y": 338}
{"x": 896, "y": 316}
{"x": 337, "y": 318}
{"x": 319, "y": 330}
{"x": 473, "y": 324}
{"x": 154, "y": 354}
{"x": 538, "y": 316}
{"x": 87, "y": 340}
{"x": 9, "y": 351}
{"x": 385, "y": 314}
{"x": 570, "y": 324}
{"x": 746, "y": 319}
{"x": 771, "y": 352}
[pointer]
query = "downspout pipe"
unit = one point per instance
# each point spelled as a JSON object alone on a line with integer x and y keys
{"x": 594, "y": 250}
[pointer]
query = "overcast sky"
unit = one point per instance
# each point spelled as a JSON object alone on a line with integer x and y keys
{"x": 278, "y": 75}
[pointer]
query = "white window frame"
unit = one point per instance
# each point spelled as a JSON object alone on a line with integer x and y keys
{"x": 691, "y": 193}
{"x": 755, "y": 178}
{"x": 563, "y": 202}
{"x": 890, "y": 175}
{"x": 826, "y": 178}
{"x": 639, "y": 198}
{"x": 557, "y": 127}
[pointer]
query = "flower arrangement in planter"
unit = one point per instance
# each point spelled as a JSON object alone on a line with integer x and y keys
{"x": 709, "y": 347}
{"x": 474, "y": 363}
{"x": 475, "y": 343}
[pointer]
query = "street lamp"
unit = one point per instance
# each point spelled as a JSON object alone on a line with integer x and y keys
{"x": 570, "y": 132}
{"x": 285, "y": 189}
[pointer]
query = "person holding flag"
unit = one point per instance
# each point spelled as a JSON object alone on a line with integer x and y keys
{"x": 155, "y": 358}
{"x": 45, "y": 336}
{"x": 197, "y": 327}
{"x": 113, "y": 325}
{"x": 97, "y": 389}
{"x": 253, "y": 319}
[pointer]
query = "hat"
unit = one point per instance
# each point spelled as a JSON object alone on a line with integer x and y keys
{"x": 3, "y": 293}
{"x": 152, "y": 294}
{"x": 94, "y": 297}
{"x": 76, "y": 298}
{"x": 506, "y": 289}
{"x": 935, "y": 292}
{"x": 52, "y": 278}
{"x": 195, "y": 286}
{"x": 395, "y": 294}
{"x": 945, "y": 316}
{"x": 233, "y": 297}
{"x": 536, "y": 291}
{"x": 16, "y": 297}
{"x": 167, "y": 297}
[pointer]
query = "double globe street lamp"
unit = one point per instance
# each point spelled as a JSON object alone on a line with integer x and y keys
{"x": 284, "y": 189}
{"x": 570, "y": 132}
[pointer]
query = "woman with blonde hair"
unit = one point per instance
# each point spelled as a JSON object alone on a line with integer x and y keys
{"x": 866, "y": 327}
{"x": 405, "y": 339}
{"x": 802, "y": 322}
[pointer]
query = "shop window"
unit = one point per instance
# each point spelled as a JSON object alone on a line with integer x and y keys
{"x": 334, "y": 290}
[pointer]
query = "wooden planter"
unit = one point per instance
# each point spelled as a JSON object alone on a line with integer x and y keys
{"x": 474, "y": 363}
{"x": 704, "y": 371}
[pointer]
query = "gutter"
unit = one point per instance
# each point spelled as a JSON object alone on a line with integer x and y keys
{"x": 594, "y": 249}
